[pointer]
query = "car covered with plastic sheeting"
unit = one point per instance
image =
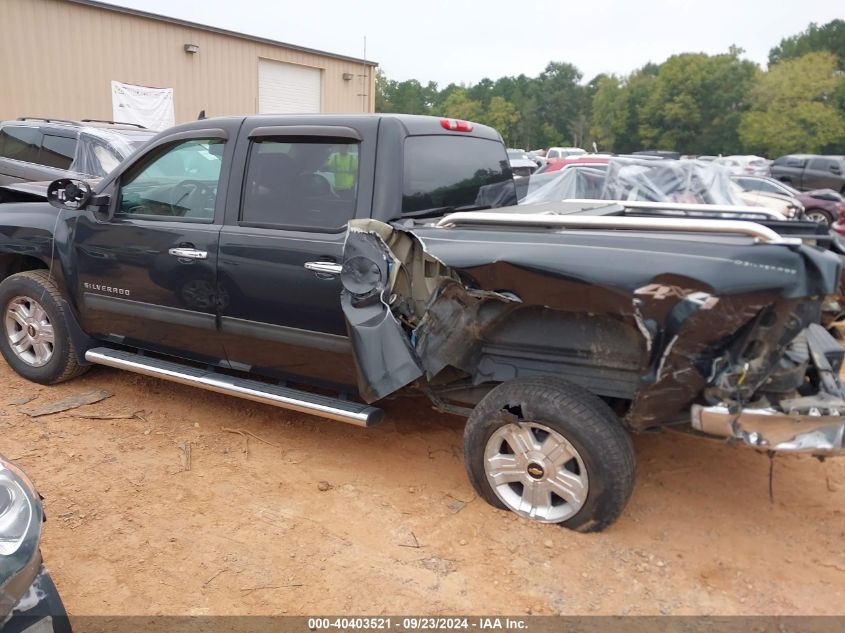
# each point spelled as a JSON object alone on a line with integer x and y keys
{"x": 34, "y": 149}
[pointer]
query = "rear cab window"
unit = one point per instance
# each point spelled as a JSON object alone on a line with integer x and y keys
{"x": 446, "y": 173}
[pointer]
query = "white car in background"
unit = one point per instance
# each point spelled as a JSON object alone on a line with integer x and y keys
{"x": 744, "y": 165}
{"x": 556, "y": 153}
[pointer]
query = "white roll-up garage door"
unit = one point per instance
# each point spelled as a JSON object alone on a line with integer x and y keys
{"x": 284, "y": 88}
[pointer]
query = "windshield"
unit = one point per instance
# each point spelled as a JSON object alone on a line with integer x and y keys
{"x": 443, "y": 173}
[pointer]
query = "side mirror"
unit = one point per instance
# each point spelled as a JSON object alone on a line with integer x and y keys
{"x": 835, "y": 169}
{"x": 67, "y": 193}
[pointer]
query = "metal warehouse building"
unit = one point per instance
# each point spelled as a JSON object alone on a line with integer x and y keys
{"x": 59, "y": 57}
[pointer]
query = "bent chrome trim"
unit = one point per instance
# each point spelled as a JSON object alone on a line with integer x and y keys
{"x": 772, "y": 430}
{"x": 757, "y": 231}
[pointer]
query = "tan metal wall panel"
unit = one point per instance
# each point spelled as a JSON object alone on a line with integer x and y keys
{"x": 58, "y": 59}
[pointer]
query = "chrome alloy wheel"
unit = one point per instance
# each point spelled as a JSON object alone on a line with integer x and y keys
{"x": 29, "y": 331}
{"x": 536, "y": 472}
{"x": 818, "y": 216}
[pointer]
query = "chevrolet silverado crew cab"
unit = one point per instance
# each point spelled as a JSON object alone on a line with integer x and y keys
{"x": 266, "y": 256}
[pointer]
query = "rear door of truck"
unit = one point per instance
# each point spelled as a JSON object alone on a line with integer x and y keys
{"x": 281, "y": 246}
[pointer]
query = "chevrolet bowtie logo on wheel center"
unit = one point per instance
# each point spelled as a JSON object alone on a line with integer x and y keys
{"x": 536, "y": 471}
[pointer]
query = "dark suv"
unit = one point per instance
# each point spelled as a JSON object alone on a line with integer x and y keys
{"x": 34, "y": 149}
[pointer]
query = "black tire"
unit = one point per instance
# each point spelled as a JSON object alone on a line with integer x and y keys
{"x": 585, "y": 421}
{"x": 827, "y": 219}
{"x": 38, "y": 286}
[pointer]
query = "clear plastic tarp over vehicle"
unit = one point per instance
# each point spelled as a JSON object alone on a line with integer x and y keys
{"x": 101, "y": 150}
{"x": 686, "y": 181}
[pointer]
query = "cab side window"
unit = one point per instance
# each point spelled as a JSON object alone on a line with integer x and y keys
{"x": 307, "y": 185}
{"x": 179, "y": 182}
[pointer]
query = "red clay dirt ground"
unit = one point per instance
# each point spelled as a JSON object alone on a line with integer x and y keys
{"x": 396, "y": 529}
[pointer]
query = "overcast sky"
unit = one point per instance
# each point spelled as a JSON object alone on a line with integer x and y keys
{"x": 467, "y": 41}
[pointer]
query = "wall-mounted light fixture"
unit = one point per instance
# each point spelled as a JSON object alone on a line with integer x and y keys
{"x": 347, "y": 76}
{"x": 192, "y": 48}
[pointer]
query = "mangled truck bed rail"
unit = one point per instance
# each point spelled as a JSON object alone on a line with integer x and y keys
{"x": 480, "y": 298}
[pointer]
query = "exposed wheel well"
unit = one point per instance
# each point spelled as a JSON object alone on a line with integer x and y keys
{"x": 11, "y": 263}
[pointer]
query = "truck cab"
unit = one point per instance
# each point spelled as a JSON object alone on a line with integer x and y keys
{"x": 222, "y": 241}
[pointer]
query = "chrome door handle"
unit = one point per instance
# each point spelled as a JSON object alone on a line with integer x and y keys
{"x": 329, "y": 268}
{"x": 190, "y": 253}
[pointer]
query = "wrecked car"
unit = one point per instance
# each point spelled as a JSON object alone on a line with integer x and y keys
{"x": 29, "y": 600}
{"x": 235, "y": 255}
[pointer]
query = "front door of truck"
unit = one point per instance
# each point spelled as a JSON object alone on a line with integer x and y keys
{"x": 282, "y": 245}
{"x": 147, "y": 277}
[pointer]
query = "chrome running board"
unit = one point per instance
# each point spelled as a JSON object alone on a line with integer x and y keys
{"x": 284, "y": 397}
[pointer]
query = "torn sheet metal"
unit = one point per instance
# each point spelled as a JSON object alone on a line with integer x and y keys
{"x": 476, "y": 306}
{"x": 384, "y": 358}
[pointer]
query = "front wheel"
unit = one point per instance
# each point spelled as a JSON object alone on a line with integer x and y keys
{"x": 34, "y": 337}
{"x": 550, "y": 451}
{"x": 819, "y": 215}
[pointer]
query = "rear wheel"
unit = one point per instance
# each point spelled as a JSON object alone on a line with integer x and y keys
{"x": 551, "y": 452}
{"x": 35, "y": 340}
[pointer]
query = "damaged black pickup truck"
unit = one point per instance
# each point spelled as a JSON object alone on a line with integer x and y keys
{"x": 267, "y": 256}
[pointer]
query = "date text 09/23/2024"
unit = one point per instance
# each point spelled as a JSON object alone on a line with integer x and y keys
{"x": 417, "y": 623}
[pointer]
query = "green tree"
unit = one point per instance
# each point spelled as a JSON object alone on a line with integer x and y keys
{"x": 559, "y": 99}
{"x": 616, "y": 107}
{"x": 383, "y": 88}
{"x": 459, "y": 106}
{"x": 828, "y": 37}
{"x": 408, "y": 97}
{"x": 794, "y": 108}
{"x": 609, "y": 111}
{"x": 502, "y": 115}
{"x": 696, "y": 103}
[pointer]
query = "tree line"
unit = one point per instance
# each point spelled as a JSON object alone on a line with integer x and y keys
{"x": 692, "y": 103}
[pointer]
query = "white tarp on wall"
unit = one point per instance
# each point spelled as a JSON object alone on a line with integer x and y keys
{"x": 150, "y": 107}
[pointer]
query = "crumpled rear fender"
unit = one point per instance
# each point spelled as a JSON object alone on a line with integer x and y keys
{"x": 433, "y": 305}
